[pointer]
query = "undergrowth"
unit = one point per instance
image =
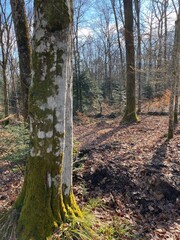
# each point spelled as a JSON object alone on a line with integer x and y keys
{"x": 77, "y": 229}
{"x": 14, "y": 143}
{"x": 8, "y": 224}
{"x": 91, "y": 228}
{"x": 117, "y": 230}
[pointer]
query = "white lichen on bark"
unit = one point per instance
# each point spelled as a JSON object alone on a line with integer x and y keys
{"x": 49, "y": 180}
{"x": 32, "y": 152}
{"x": 41, "y": 134}
{"x": 49, "y": 149}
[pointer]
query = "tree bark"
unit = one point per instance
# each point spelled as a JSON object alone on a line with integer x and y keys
{"x": 6, "y": 99}
{"x": 175, "y": 67}
{"x": 137, "y": 8}
{"x": 118, "y": 37}
{"x": 176, "y": 107}
{"x": 24, "y": 49}
{"x": 41, "y": 204}
{"x": 6, "y": 44}
{"x": 130, "y": 113}
{"x": 67, "y": 169}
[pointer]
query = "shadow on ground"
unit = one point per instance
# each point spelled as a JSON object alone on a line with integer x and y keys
{"x": 145, "y": 190}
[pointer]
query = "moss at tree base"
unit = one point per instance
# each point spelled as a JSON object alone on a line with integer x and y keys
{"x": 35, "y": 224}
{"x": 130, "y": 117}
{"x": 71, "y": 206}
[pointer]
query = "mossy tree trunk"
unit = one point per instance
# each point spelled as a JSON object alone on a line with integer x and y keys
{"x": 130, "y": 112}
{"x": 42, "y": 204}
{"x": 24, "y": 49}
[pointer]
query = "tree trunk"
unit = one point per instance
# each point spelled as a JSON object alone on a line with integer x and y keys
{"x": 137, "y": 8}
{"x": 67, "y": 191}
{"x": 6, "y": 101}
{"x": 118, "y": 38}
{"x": 171, "y": 109}
{"x": 16, "y": 100}
{"x": 41, "y": 204}
{"x": 175, "y": 67}
{"x": 5, "y": 46}
{"x": 176, "y": 107}
{"x": 130, "y": 113}
{"x": 24, "y": 49}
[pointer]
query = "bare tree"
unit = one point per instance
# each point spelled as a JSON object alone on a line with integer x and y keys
{"x": 130, "y": 113}
{"x": 6, "y": 45}
{"x": 113, "y": 3}
{"x": 24, "y": 49}
{"x": 175, "y": 68}
{"x": 137, "y": 4}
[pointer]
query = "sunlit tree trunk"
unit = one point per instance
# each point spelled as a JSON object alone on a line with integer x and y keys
{"x": 175, "y": 69}
{"x": 166, "y": 2}
{"x": 6, "y": 98}
{"x": 67, "y": 191}
{"x": 137, "y": 8}
{"x": 130, "y": 113}
{"x": 171, "y": 110}
{"x": 118, "y": 38}
{"x": 41, "y": 204}
{"x": 24, "y": 49}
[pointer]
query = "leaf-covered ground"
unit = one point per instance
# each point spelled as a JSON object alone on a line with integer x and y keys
{"x": 132, "y": 168}
{"x": 136, "y": 171}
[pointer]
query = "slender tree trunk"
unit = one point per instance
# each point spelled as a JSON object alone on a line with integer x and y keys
{"x": 110, "y": 90}
{"x": 17, "y": 107}
{"x": 137, "y": 7}
{"x": 130, "y": 113}
{"x": 68, "y": 151}
{"x": 171, "y": 109}
{"x": 67, "y": 191}
{"x": 176, "y": 107}
{"x": 165, "y": 33}
{"x": 118, "y": 38}
{"x": 76, "y": 81}
{"x": 77, "y": 71}
{"x": 175, "y": 67}
{"x": 150, "y": 62}
{"x": 176, "y": 110}
{"x": 5, "y": 46}
{"x": 24, "y": 49}
{"x": 6, "y": 100}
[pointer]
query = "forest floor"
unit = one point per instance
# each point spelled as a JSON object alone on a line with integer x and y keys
{"x": 132, "y": 169}
{"x": 135, "y": 170}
